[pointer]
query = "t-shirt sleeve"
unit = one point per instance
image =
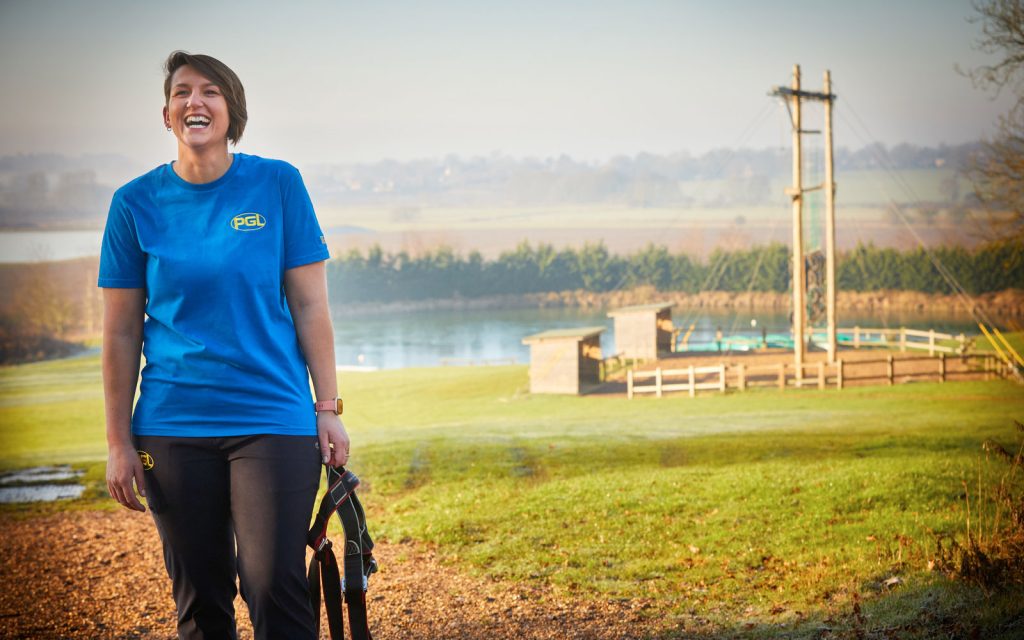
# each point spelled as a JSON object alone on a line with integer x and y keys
{"x": 122, "y": 261}
{"x": 304, "y": 242}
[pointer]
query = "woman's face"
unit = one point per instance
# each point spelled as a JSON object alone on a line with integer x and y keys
{"x": 196, "y": 112}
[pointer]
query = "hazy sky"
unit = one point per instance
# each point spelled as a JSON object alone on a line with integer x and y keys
{"x": 361, "y": 81}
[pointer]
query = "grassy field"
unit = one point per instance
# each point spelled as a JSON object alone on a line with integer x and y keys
{"x": 1015, "y": 338}
{"x": 864, "y": 196}
{"x": 761, "y": 513}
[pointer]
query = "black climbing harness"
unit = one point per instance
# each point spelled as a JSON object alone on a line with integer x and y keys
{"x": 357, "y": 558}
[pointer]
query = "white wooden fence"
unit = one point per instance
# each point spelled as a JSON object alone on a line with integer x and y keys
{"x": 905, "y": 338}
{"x": 716, "y": 380}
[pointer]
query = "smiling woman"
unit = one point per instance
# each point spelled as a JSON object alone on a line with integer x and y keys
{"x": 223, "y": 254}
{"x": 204, "y": 99}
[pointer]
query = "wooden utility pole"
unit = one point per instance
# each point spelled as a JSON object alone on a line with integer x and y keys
{"x": 794, "y": 96}
{"x": 797, "y": 194}
{"x": 830, "y": 223}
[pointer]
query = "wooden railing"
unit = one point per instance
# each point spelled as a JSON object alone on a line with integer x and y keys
{"x": 858, "y": 337}
{"x": 715, "y": 381}
{"x": 905, "y": 338}
{"x": 820, "y": 375}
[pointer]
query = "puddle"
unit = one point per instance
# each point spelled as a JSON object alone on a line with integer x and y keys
{"x": 40, "y": 484}
{"x": 40, "y": 493}
{"x": 37, "y": 475}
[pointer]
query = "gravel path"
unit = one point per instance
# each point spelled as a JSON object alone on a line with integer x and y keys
{"x": 100, "y": 575}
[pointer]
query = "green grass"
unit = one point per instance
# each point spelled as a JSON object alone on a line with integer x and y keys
{"x": 1015, "y": 338}
{"x": 763, "y": 513}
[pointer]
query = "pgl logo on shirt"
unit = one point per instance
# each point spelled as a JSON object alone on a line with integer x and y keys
{"x": 248, "y": 222}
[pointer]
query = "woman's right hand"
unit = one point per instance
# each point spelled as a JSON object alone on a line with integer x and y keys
{"x": 123, "y": 469}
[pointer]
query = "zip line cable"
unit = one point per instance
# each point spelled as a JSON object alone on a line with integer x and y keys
{"x": 715, "y": 272}
{"x": 753, "y": 277}
{"x": 884, "y": 163}
{"x": 976, "y": 311}
{"x": 752, "y": 127}
{"x": 958, "y": 290}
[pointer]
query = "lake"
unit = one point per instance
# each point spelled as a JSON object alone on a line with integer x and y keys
{"x": 492, "y": 336}
{"x": 432, "y": 338}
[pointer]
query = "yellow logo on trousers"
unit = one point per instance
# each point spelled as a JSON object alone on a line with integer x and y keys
{"x": 147, "y": 460}
{"x": 248, "y": 222}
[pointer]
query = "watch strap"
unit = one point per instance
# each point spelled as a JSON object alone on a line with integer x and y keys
{"x": 334, "y": 404}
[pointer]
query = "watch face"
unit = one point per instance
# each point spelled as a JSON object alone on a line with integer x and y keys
{"x": 340, "y": 406}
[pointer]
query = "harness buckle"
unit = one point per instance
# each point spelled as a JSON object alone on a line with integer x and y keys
{"x": 324, "y": 542}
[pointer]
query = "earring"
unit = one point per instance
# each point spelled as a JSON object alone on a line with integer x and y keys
{"x": 168, "y": 128}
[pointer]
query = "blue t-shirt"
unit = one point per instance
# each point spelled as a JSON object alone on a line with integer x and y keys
{"x": 222, "y": 355}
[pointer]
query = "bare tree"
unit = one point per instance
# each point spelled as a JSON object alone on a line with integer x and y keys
{"x": 40, "y": 308}
{"x": 997, "y": 169}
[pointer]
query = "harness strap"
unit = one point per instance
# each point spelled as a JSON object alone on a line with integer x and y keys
{"x": 332, "y": 591}
{"x": 358, "y": 558}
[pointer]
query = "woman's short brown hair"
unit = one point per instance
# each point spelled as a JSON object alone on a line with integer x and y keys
{"x": 222, "y": 76}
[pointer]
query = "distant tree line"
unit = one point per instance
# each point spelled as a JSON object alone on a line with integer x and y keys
{"x": 377, "y": 275}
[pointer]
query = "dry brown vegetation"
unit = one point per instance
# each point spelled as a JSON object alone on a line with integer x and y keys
{"x": 991, "y": 552}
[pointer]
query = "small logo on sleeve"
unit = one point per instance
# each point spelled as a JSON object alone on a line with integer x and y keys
{"x": 248, "y": 222}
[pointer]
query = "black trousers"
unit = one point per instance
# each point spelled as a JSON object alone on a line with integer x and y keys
{"x": 235, "y": 506}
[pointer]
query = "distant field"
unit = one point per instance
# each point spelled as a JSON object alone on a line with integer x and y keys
{"x": 864, "y": 214}
{"x": 695, "y": 231}
{"x": 768, "y": 509}
{"x": 710, "y": 214}
{"x": 860, "y": 195}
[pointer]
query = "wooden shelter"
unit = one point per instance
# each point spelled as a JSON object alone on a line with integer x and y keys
{"x": 643, "y": 331}
{"x": 565, "y": 360}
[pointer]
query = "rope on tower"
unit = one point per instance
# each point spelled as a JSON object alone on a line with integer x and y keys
{"x": 977, "y": 312}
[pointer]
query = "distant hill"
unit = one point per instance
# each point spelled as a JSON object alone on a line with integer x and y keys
{"x": 39, "y": 191}
{"x": 723, "y": 177}
{"x": 55, "y": 191}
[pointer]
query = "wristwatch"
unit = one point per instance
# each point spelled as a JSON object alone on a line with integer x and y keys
{"x": 334, "y": 404}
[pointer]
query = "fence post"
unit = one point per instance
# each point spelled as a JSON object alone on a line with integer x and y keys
{"x": 856, "y": 337}
{"x": 721, "y": 378}
{"x": 890, "y": 368}
{"x": 931, "y": 342}
{"x": 629, "y": 384}
{"x": 903, "y": 339}
{"x": 963, "y": 346}
{"x": 839, "y": 374}
{"x": 657, "y": 382}
{"x": 692, "y": 381}
{"x": 821, "y": 375}
{"x": 782, "y": 376}
{"x": 741, "y": 376}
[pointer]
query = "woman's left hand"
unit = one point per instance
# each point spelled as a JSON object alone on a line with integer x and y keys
{"x": 334, "y": 442}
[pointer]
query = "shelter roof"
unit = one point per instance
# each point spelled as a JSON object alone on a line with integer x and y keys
{"x": 577, "y": 333}
{"x": 655, "y": 307}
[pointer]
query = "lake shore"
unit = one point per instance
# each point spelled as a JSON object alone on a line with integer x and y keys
{"x": 1001, "y": 304}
